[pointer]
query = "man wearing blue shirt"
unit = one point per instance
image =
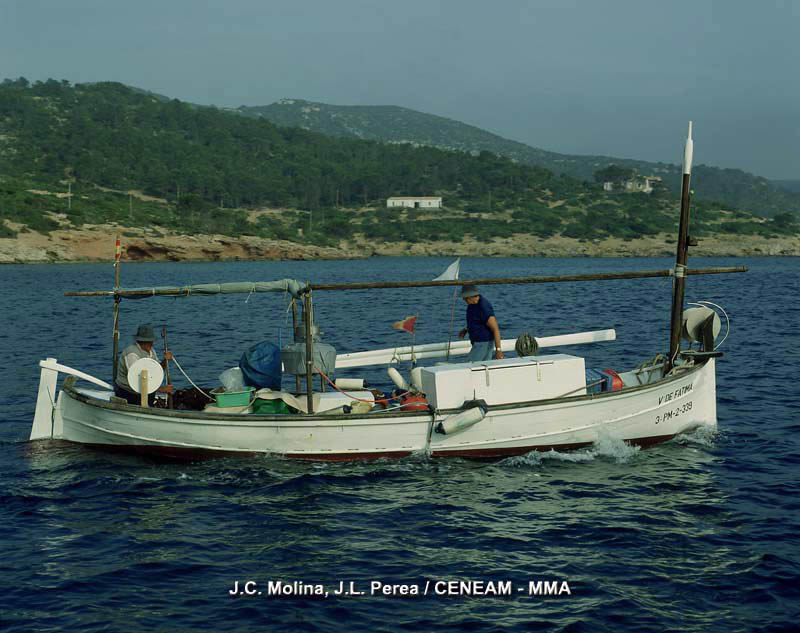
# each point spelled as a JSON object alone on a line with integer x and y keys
{"x": 484, "y": 333}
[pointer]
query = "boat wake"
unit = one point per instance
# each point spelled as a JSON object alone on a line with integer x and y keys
{"x": 700, "y": 436}
{"x": 606, "y": 446}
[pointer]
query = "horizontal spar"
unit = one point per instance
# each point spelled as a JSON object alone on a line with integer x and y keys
{"x": 460, "y": 348}
{"x": 181, "y": 291}
{"x": 525, "y": 280}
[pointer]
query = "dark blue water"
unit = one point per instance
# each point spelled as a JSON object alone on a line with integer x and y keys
{"x": 699, "y": 534}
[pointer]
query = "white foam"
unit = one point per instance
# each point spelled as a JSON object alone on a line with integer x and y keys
{"x": 607, "y": 445}
{"x": 702, "y": 435}
{"x": 604, "y": 446}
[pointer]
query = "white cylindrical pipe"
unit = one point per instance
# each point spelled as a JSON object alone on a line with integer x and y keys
{"x": 460, "y": 348}
{"x": 350, "y": 383}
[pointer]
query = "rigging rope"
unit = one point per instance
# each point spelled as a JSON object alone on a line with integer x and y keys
{"x": 333, "y": 384}
{"x": 178, "y": 365}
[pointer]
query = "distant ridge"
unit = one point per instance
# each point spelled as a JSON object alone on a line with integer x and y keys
{"x": 788, "y": 185}
{"x": 104, "y": 154}
{"x": 395, "y": 124}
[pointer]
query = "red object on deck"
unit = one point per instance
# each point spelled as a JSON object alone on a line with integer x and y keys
{"x": 616, "y": 381}
{"x": 414, "y": 403}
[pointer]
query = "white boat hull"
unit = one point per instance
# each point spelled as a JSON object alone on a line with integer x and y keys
{"x": 640, "y": 415}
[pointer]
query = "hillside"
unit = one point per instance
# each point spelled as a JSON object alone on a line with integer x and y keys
{"x": 733, "y": 187}
{"x": 106, "y": 155}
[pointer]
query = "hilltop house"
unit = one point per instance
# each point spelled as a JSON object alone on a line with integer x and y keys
{"x": 635, "y": 184}
{"x": 419, "y": 202}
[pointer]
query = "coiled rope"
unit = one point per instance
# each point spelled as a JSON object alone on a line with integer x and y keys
{"x": 526, "y": 345}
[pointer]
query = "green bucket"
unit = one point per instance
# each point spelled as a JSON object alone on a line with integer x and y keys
{"x": 233, "y": 398}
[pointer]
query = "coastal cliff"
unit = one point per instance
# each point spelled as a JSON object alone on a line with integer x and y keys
{"x": 92, "y": 243}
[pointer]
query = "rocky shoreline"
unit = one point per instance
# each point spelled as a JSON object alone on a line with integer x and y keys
{"x": 96, "y": 244}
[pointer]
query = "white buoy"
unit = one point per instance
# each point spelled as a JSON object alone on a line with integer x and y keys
{"x": 397, "y": 378}
{"x": 460, "y": 421}
{"x": 416, "y": 378}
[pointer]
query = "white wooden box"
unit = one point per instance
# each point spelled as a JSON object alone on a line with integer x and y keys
{"x": 504, "y": 381}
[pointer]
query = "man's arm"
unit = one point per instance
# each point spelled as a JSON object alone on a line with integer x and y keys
{"x": 492, "y": 325}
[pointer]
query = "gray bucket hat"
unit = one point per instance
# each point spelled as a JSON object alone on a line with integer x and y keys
{"x": 469, "y": 291}
{"x": 145, "y": 334}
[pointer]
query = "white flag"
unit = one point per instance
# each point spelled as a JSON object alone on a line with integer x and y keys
{"x": 451, "y": 274}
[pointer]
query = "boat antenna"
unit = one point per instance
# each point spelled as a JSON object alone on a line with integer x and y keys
{"x": 681, "y": 256}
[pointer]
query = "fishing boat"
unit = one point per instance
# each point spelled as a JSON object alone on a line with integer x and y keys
{"x": 534, "y": 401}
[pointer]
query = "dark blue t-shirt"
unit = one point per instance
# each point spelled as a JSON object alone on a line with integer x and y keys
{"x": 477, "y": 316}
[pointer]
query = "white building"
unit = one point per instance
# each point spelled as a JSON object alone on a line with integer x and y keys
{"x": 411, "y": 202}
{"x": 643, "y": 185}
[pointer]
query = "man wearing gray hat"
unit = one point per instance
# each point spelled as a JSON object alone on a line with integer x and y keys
{"x": 484, "y": 332}
{"x": 141, "y": 348}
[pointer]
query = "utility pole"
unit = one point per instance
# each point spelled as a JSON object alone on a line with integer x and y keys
{"x": 69, "y": 196}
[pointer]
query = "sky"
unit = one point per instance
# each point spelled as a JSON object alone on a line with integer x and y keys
{"x": 617, "y": 78}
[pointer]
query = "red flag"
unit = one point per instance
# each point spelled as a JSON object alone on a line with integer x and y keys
{"x": 406, "y": 324}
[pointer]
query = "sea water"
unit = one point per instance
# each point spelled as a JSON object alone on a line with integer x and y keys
{"x": 698, "y": 534}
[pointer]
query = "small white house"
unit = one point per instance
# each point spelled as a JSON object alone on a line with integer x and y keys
{"x": 636, "y": 184}
{"x": 420, "y": 202}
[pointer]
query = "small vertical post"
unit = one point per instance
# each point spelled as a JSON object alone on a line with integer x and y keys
{"x": 143, "y": 388}
{"x": 166, "y": 365}
{"x": 308, "y": 316}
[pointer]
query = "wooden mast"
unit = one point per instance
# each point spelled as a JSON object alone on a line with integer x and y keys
{"x": 681, "y": 256}
{"x": 117, "y": 298}
{"x": 294, "y": 339}
{"x": 308, "y": 322}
